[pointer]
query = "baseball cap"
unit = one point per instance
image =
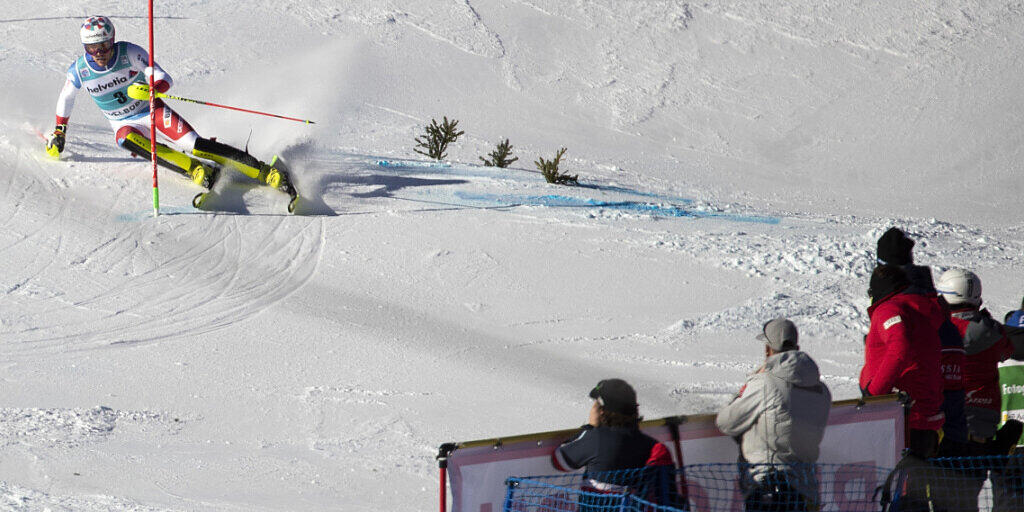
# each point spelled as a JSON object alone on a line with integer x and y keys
{"x": 779, "y": 334}
{"x": 615, "y": 395}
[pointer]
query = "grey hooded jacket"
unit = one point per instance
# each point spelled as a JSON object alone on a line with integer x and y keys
{"x": 781, "y": 415}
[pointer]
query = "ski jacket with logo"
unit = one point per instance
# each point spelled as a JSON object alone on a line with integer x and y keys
{"x": 953, "y": 395}
{"x": 108, "y": 85}
{"x": 903, "y": 351}
{"x": 604, "y": 448}
{"x": 987, "y": 345}
{"x": 610, "y": 449}
{"x": 780, "y": 417}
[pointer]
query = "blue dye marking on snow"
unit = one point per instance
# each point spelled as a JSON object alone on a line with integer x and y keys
{"x": 665, "y": 206}
{"x": 652, "y": 195}
{"x": 415, "y": 166}
{"x": 139, "y": 216}
{"x": 658, "y": 210}
{"x": 393, "y": 164}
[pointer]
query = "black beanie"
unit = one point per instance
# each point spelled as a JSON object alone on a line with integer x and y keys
{"x": 885, "y": 281}
{"x": 894, "y": 248}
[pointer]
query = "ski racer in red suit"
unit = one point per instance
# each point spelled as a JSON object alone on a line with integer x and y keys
{"x": 611, "y": 441}
{"x": 903, "y": 352}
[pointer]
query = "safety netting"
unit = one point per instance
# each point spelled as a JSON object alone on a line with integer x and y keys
{"x": 967, "y": 484}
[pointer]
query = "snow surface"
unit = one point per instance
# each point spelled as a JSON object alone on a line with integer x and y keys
{"x": 739, "y": 159}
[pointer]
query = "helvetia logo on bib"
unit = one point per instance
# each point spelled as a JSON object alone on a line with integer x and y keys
{"x": 118, "y": 80}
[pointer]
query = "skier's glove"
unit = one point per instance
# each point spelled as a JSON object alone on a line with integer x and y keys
{"x": 55, "y": 142}
{"x": 138, "y": 91}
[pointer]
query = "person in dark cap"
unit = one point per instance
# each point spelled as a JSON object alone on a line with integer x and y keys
{"x": 895, "y": 248}
{"x": 610, "y": 441}
{"x": 902, "y": 351}
{"x": 779, "y": 418}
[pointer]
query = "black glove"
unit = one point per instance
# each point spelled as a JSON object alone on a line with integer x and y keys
{"x": 1007, "y": 437}
{"x": 56, "y": 139}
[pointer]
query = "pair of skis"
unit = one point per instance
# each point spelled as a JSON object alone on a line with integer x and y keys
{"x": 201, "y": 200}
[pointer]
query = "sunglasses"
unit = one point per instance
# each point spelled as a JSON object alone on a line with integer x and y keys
{"x": 99, "y": 48}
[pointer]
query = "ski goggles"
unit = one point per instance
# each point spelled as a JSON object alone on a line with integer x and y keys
{"x": 99, "y": 48}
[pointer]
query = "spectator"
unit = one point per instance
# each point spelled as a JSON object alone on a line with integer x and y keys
{"x": 1011, "y": 372}
{"x": 987, "y": 345}
{"x": 902, "y": 352}
{"x": 895, "y": 248}
{"x": 611, "y": 441}
{"x": 1015, "y": 318}
{"x": 779, "y": 419}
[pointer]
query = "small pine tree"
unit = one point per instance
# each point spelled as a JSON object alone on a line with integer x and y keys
{"x": 499, "y": 157}
{"x": 437, "y": 138}
{"x": 550, "y": 170}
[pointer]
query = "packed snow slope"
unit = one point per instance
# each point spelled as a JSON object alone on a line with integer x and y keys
{"x": 738, "y": 161}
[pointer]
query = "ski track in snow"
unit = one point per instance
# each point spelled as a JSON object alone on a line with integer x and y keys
{"x": 17, "y": 498}
{"x": 138, "y": 282}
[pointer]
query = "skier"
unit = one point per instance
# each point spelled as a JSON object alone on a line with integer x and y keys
{"x": 116, "y": 75}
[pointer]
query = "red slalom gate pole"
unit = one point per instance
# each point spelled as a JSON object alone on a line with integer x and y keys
{"x": 209, "y": 104}
{"x": 442, "y": 462}
{"x": 152, "y": 118}
{"x": 444, "y": 494}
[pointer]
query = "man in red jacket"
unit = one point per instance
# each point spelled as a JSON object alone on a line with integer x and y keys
{"x": 896, "y": 248}
{"x": 987, "y": 345}
{"x": 903, "y": 352}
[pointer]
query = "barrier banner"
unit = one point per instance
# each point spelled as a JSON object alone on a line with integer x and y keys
{"x": 869, "y": 432}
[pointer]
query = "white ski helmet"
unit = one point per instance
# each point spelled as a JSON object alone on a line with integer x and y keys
{"x": 97, "y": 29}
{"x": 960, "y": 286}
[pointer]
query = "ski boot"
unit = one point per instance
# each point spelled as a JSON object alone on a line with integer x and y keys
{"x": 204, "y": 175}
{"x": 276, "y": 176}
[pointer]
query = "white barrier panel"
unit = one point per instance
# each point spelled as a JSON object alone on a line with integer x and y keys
{"x": 869, "y": 433}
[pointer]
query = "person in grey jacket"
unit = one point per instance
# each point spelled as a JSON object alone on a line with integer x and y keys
{"x": 779, "y": 419}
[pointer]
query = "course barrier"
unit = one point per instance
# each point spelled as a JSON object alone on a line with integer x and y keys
{"x": 963, "y": 484}
{"x": 867, "y": 432}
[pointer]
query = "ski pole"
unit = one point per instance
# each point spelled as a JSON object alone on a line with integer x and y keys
{"x": 152, "y": 118}
{"x": 209, "y": 104}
